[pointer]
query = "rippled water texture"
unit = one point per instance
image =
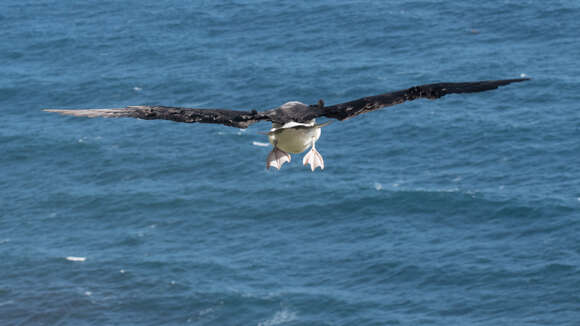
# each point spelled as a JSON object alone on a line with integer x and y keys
{"x": 460, "y": 211}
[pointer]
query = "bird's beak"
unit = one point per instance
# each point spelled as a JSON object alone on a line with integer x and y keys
{"x": 323, "y": 124}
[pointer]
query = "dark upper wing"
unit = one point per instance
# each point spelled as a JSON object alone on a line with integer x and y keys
{"x": 431, "y": 91}
{"x": 292, "y": 111}
{"x": 232, "y": 118}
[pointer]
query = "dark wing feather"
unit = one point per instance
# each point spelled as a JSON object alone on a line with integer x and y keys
{"x": 292, "y": 111}
{"x": 431, "y": 91}
{"x": 232, "y": 118}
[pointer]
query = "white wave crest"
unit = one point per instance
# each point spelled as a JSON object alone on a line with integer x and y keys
{"x": 280, "y": 317}
{"x": 257, "y": 143}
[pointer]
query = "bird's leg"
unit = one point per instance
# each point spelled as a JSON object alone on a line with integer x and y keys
{"x": 313, "y": 158}
{"x": 277, "y": 158}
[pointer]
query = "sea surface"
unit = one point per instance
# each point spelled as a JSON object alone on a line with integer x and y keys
{"x": 459, "y": 211}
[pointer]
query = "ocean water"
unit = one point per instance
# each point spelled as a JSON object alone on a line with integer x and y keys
{"x": 459, "y": 211}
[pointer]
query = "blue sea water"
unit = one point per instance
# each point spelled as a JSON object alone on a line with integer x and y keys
{"x": 459, "y": 211}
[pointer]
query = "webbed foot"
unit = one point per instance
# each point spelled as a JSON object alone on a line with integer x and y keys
{"x": 277, "y": 158}
{"x": 314, "y": 159}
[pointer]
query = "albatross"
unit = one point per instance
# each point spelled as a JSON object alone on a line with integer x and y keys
{"x": 294, "y": 128}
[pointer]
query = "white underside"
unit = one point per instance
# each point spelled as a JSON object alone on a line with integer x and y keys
{"x": 294, "y": 137}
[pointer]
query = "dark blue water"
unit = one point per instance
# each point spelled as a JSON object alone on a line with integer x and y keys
{"x": 460, "y": 211}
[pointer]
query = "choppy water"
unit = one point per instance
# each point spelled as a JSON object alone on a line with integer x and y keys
{"x": 460, "y": 211}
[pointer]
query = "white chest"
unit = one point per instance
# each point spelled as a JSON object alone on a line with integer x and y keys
{"x": 294, "y": 140}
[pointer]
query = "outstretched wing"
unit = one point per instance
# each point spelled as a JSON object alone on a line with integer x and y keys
{"x": 291, "y": 111}
{"x": 431, "y": 91}
{"x": 232, "y": 118}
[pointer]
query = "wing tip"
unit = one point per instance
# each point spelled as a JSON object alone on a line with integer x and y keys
{"x": 60, "y": 111}
{"x": 514, "y": 80}
{"x": 89, "y": 113}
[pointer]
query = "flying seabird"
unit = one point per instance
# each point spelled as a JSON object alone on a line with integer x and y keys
{"x": 294, "y": 128}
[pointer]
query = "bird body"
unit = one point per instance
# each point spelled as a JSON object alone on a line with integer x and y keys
{"x": 294, "y": 129}
{"x": 295, "y": 138}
